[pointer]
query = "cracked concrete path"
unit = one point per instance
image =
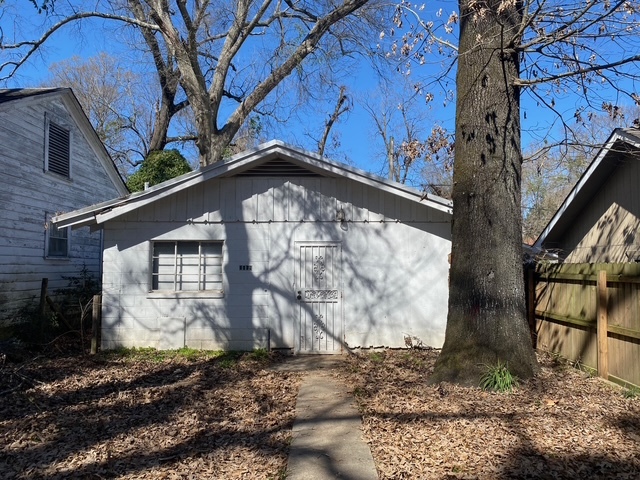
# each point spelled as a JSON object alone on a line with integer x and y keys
{"x": 327, "y": 433}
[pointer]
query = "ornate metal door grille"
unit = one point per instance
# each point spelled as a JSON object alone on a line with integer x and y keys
{"x": 319, "y": 327}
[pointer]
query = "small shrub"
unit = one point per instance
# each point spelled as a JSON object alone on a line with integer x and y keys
{"x": 498, "y": 378}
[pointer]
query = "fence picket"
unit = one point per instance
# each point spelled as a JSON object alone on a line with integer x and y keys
{"x": 588, "y": 313}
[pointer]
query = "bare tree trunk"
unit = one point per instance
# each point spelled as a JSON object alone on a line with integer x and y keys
{"x": 487, "y": 312}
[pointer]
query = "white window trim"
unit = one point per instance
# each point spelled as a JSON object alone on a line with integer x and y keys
{"x": 48, "y": 119}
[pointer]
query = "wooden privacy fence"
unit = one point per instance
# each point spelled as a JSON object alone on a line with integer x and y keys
{"x": 590, "y": 313}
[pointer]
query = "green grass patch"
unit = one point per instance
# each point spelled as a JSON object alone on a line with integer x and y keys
{"x": 498, "y": 378}
{"x": 150, "y": 354}
{"x": 376, "y": 357}
{"x": 260, "y": 354}
{"x": 631, "y": 392}
{"x": 225, "y": 359}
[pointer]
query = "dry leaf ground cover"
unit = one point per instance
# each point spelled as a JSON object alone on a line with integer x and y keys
{"x": 166, "y": 416}
{"x": 563, "y": 424}
{"x": 155, "y": 416}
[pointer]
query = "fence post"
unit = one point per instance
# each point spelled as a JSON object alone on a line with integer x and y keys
{"x": 602, "y": 326}
{"x": 43, "y": 296}
{"x": 96, "y": 323}
{"x": 531, "y": 304}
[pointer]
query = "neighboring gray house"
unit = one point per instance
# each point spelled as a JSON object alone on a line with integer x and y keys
{"x": 52, "y": 161}
{"x": 275, "y": 245}
{"x": 599, "y": 221}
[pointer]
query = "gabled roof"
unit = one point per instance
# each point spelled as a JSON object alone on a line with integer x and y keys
{"x": 24, "y": 95}
{"x": 273, "y": 158}
{"x": 621, "y": 141}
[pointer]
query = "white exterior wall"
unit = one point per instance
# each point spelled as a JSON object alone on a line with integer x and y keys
{"x": 394, "y": 267}
{"x": 28, "y": 194}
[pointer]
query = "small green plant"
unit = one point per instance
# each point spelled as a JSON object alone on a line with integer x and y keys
{"x": 631, "y": 392}
{"x": 360, "y": 392}
{"x": 376, "y": 357}
{"x": 259, "y": 354}
{"x": 227, "y": 363}
{"x": 191, "y": 354}
{"x": 498, "y": 378}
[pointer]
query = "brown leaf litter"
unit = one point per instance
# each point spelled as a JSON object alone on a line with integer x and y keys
{"x": 231, "y": 418}
{"x": 563, "y": 424}
{"x": 122, "y": 418}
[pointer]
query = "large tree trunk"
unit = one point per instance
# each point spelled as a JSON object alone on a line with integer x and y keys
{"x": 487, "y": 311}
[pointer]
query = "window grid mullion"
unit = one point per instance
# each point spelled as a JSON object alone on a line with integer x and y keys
{"x": 199, "y": 265}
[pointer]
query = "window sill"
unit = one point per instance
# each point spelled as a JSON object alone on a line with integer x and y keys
{"x": 58, "y": 259}
{"x": 186, "y": 294}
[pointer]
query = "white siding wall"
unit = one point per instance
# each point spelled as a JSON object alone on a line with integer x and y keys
{"x": 27, "y": 194}
{"x": 394, "y": 265}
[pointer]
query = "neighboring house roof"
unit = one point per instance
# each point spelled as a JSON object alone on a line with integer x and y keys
{"x": 75, "y": 109}
{"x": 606, "y": 161}
{"x": 273, "y": 158}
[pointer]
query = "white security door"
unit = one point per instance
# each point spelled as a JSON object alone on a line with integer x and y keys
{"x": 319, "y": 322}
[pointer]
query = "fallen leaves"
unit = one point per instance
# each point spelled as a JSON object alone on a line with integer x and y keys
{"x": 122, "y": 418}
{"x": 561, "y": 425}
{"x": 206, "y": 418}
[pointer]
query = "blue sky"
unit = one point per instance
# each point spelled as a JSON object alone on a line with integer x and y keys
{"x": 358, "y": 141}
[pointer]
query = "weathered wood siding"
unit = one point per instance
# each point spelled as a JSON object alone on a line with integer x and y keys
{"x": 566, "y": 311}
{"x": 28, "y": 194}
{"x": 608, "y": 228}
{"x": 394, "y": 265}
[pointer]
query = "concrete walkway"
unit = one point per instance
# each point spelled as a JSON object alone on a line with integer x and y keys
{"x": 327, "y": 433}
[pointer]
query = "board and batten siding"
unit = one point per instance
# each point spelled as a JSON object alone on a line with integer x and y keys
{"x": 28, "y": 194}
{"x": 392, "y": 260}
{"x": 607, "y": 230}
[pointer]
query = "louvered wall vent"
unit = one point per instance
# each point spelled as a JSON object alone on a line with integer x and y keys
{"x": 58, "y": 160}
{"x": 278, "y": 168}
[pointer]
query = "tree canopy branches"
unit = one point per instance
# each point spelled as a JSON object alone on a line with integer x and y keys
{"x": 226, "y": 58}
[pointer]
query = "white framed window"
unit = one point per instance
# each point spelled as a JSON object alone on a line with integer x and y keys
{"x": 57, "y": 155}
{"x": 180, "y": 266}
{"x": 56, "y": 242}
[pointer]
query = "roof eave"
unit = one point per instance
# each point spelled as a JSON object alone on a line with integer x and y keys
{"x": 618, "y": 135}
{"x": 100, "y": 213}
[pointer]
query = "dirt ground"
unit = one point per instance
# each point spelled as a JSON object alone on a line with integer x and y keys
{"x": 165, "y": 416}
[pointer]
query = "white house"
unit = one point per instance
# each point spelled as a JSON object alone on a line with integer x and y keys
{"x": 276, "y": 247}
{"x": 52, "y": 161}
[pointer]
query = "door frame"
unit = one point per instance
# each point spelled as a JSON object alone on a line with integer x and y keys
{"x": 339, "y": 325}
